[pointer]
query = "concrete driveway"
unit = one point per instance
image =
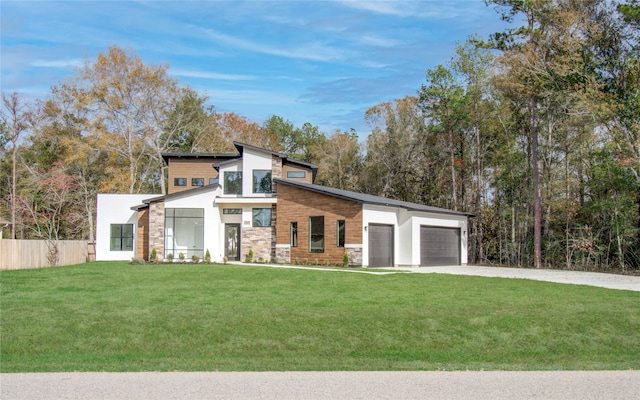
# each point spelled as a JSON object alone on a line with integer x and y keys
{"x": 496, "y": 385}
{"x": 609, "y": 281}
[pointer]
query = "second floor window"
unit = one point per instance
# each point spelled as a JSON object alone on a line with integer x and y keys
{"x": 233, "y": 182}
{"x": 261, "y": 181}
{"x": 197, "y": 181}
{"x": 179, "y": 181}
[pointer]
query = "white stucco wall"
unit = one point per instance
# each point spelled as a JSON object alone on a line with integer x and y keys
{"x": 203, "y": 200}
{"x": 441, "y": 220}
{"x": 251, "y": 160}
{"x": 372, "y": 214}
{"x": 116, "y": 209}
{"x": 407, "y": 231}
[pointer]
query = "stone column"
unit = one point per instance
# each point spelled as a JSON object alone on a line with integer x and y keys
{"x": 156, "y": 228}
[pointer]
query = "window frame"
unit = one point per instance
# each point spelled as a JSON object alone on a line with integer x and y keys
{"x": 341, "y": 234}
{"x": 194, "y": 180}
{"x": 179, "y": 181}
{"x": 226, "y": 186}
{"x": 319, "y": 222}
{"x": 121, "y": 237}
{"x": 253, "y": 217}
{"x": 300, "y": 174}
{"x": 293, "y": 234}
{"x": 257, "y": 186}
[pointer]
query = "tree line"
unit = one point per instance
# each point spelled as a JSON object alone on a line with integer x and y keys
{"x": 534, "y": 130}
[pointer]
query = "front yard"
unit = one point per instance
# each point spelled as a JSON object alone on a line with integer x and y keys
{"x": 111, "y": 316}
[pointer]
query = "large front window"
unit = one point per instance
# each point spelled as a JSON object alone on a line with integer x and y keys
{"x": 184, "y": 232}
{"x": 261, "y": 217}
{"x": 233, "y": 182}
{"x": 316, "y": 234}
{"x": 261, "y": 181}
{"x": 121, "y": 237}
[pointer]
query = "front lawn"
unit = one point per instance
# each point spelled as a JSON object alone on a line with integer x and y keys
{"x": 111, "y": 316}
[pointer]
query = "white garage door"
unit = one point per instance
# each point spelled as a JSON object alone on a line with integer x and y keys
{"x": 439, "y": 246}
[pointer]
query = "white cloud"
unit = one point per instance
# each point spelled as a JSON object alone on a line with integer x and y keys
{"x": 311, "y": 51}
{"x": 73, "y": 63}
{"x": 418, "y": 9}
{"x": 210, "y": 75}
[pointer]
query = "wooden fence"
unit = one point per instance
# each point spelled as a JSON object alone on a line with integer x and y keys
{"x": 24, "y": 254}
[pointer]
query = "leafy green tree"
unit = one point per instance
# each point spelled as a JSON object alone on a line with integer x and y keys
{"x": 442, "y": 100}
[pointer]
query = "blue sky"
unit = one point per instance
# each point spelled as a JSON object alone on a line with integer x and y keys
{"x": 323, "y": 62}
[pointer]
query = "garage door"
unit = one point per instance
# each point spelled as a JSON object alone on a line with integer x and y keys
{"x": 380, "y": 245}
{"x": 439, "y": 246}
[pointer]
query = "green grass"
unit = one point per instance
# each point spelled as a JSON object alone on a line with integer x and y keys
{"x": 111, "y": 316}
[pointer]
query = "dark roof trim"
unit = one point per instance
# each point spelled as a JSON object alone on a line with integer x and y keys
{"x": 166, "y": 197}
{"x": 166, "y": 156}
{"x": 362, "y": 198}
{"x": 285, "y": 158}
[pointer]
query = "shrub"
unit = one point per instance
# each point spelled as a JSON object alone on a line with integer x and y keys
{"x": 154, "y": 256}
{"x": 225, "y": 259}
{"x": 305, "y": 261}
{"x": 137, "y": 261}
{"x": 170, "y": 257}
{"x": 195, "y": 258}
{"x": 207, "y": 257}
{"x": 326, "y": 262}
{"x": 250, "y": 256}
{"x": 181, "y": 256}
{"x": 345, "y": 260}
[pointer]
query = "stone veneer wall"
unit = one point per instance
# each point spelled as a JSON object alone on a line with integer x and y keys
{"x": 276, "y": 173}
{"x": 283, "y": 253}
{"x": 355, "y": 254}
{"x": 258, "y": 239}
{"x": 156, "y": 228}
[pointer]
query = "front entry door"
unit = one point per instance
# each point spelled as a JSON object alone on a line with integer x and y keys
{"x": 232, "y": 242}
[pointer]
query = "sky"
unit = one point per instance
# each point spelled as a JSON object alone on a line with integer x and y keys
{"x": 323, "y": 62}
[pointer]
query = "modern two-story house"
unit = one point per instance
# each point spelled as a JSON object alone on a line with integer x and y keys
{"x": 267, "y": 203}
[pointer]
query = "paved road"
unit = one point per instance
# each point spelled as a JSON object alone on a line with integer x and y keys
{"x": 560, "y": 385}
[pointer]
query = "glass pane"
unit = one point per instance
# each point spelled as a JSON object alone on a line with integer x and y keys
{"x": 261, "y": 181}
{"x": 115, "y": 244}
{"x": 189, "y": 212}
{"x": 116, "y": 230}
{"x": 197, "y": 181}
{"x": 294, "y": 234}
{"x": 296, "y": 174}
{"x": 341, "y": 233}
{"x": 316, "y": 237}
{"x": 180, "y": 181}
{"x": 261, "y": 217}
{"x": 233, "y": 182}
{"x": 127, "y": 244}
{"x": 127, "y": 230}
